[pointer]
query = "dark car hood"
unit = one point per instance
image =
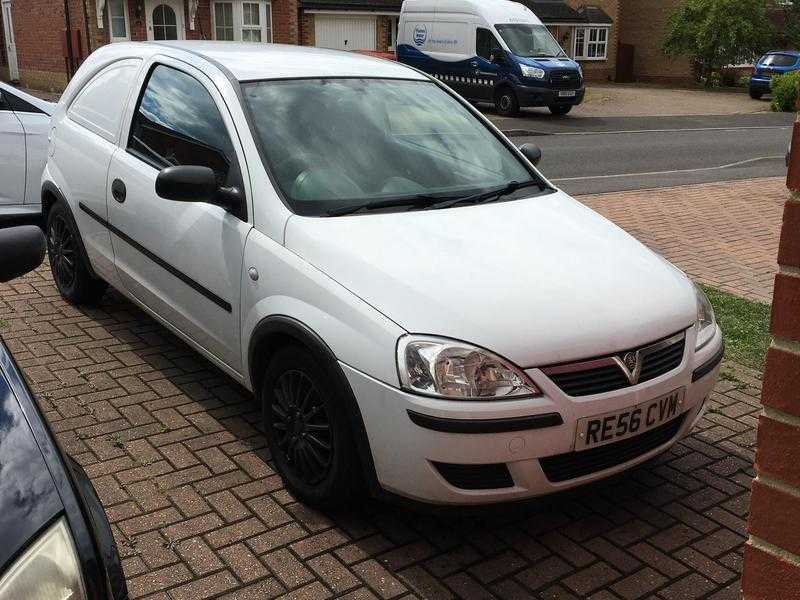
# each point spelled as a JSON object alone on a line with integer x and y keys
{"x": 28, "y": 496}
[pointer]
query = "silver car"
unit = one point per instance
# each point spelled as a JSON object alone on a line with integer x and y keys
{"x": 24, "y": 123}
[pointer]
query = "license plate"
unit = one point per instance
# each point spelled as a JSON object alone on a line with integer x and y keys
{"x": 566, "y": 94}
{"x": 599, "y": 430}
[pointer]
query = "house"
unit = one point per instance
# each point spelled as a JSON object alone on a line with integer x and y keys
{"x": 42, "y": 42}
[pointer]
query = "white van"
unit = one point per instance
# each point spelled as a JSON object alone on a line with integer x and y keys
{"x": 490, "y": 51}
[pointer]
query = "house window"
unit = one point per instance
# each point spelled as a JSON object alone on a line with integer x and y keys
{"x": 591, "y": 43}
{"x": 118, "y": 20}
{"x": 223, "y": 21}
{"x": 246, "y": 21}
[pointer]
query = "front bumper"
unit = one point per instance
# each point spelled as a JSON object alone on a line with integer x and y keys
{"x": 760, "y": 84}
{"x": 405, "y": 452}
{"x": 529, "y": 95}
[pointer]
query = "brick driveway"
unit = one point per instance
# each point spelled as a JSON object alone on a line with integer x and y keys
{"x": 174, "y": 450}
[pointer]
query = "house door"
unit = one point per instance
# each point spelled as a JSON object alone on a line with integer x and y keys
{"x": 11, "y": 46}
{"x": 165, "y": 20}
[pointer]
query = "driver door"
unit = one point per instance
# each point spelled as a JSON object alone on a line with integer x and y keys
{"x": 183, "y": 260}
{"x": 487, "y": 72}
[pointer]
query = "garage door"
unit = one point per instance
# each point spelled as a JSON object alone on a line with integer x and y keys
{"x": 344, "y": 32}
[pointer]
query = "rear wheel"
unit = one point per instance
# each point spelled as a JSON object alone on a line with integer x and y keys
{"x": 67, "y": 261}
{"x": 560, "y": 109}
{"x": 756, "y": 95}
{"x": 307, "y": 430}
{"x": 506, "y": 103}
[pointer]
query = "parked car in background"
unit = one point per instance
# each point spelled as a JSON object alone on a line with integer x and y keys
{"x": 772, "y": 63}
{"x": 24, "y": 124}
{"x": 490, "y": 51}
{"x": 414, "y": 305}
{"x": 56, "y": 541}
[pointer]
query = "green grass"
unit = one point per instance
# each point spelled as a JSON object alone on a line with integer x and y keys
{"x": 3, "y": 324}
{"x": 745, "y": 325}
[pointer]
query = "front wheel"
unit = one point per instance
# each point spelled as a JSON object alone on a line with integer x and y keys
{"x": 67, "y": 261}
{"x": 756, "y": 95}
{"x": 307, "y": 430}
{"x": 560, "y": 109}
{"x": 506, "y": 103}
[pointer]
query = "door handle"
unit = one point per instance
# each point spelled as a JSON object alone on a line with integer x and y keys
{"x": 118, "y": 190}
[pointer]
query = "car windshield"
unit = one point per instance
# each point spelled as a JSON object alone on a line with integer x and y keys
{"x": 532, "y": 41}
{"x": 778, "y": 60}
{"x": 335, "y": 143}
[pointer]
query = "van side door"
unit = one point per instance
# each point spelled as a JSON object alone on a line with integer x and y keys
{"x": 182, "y": 260}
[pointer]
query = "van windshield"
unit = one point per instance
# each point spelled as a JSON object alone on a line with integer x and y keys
{"x": 530, "y": 41}
{"x": 333, "y": 144}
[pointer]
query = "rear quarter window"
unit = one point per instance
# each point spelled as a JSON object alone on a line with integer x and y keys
{"x": 100, "y": 104}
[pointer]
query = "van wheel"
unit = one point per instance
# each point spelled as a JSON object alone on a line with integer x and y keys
{"x": 560, "y": 109}
{"x": 307, "y": 430}
{"x": 68, "y": 263}
{"x": 756, "y": 95}
{"x": 506, "y": 103}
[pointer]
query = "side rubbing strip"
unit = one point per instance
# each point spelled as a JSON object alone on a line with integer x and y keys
{"x": 223, "y": 304}
{"x": 485, "y": 425}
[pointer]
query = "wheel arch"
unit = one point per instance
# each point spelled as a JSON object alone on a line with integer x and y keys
{"x": 50, "y": 196}
{"x": 277, "y": 331}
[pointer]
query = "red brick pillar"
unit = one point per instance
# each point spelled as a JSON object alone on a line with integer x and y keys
{"x": 772, "y": 554}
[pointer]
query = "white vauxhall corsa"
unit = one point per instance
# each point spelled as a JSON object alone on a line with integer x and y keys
{"x": 419, "y": 312}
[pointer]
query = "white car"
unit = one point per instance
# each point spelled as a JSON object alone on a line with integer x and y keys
{"x": 417, "y": 309}
{"x": 24, "y": 123}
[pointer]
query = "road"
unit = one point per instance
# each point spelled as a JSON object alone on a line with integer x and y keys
{"x": 593, "y": 155}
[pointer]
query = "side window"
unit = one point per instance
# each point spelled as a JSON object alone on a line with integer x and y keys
{"x": 11, "y": 102}
{"x": 101, "y": 102}
{"x": 177, "y": 123}
{"x": 486, "y": 44}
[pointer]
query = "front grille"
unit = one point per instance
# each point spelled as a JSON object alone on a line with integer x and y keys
{"x": 596, "y": 376}
{"x": 571, "y": 465}
{"x": 476, "y": 477}
{"x": 562, "y": 79}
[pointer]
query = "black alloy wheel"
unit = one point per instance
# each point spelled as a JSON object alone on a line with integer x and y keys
{"x": 302, "y": 426}
{"x": 62, "y": 248}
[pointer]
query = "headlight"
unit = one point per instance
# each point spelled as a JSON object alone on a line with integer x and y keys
{"x": 458, "y": 371}
{"x": 47, "y": 570}
{"x": 532, "y": 72}
{"x": 705, "y": 318}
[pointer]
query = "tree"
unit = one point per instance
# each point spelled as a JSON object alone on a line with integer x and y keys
{"x": 716, "y": 33}
{"x": 791, "y": 27}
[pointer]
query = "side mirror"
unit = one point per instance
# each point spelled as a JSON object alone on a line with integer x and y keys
{"x": 189, "y": 183}
{"x": 22, "y": 249}
{"x": 498, "y": 59}
{"x": 532, "y": 152}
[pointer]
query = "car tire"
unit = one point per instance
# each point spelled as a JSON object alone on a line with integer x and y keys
{"x": 68, "y": 262}
{"x": 755, "y": 95}
{"x": 560, "y": 109}
{"x": 506, "y": 103}
{"x": 307, "y": 430}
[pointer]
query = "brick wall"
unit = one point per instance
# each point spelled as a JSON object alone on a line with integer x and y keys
{"x": 601, "y": 70}
{"x": 772, "y": 554}
{"x": 307, "y": 36}
{"x": 285, "y": 25}
{"x": 643, "y": 24}
{"x": 382, "y": 33}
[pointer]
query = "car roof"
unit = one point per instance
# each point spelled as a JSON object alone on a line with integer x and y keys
{"x": 248, "y": 62}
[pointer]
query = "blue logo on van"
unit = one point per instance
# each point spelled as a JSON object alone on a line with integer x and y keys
{"x": 420, "y": 34}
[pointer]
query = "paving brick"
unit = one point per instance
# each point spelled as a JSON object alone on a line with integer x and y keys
{"x": 173, "y": 449}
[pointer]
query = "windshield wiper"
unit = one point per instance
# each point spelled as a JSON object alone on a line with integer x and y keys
{"x": 423, "y": 200}
{"x": 491, "y": 195}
